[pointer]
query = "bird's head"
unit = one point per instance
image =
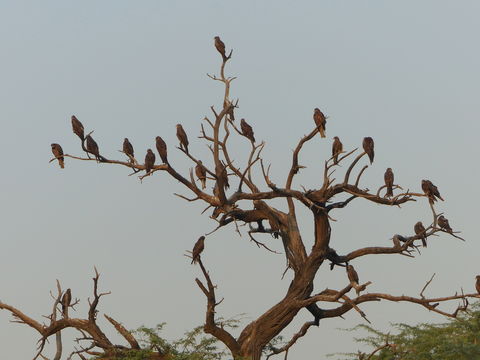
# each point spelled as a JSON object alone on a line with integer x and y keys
{"x": 477, "y": 277}
{"x": 336, "y": 138}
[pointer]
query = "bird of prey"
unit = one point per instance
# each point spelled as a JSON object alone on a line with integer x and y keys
{"x": 320, "y": 121}
{"x": 162, "y": 149}
{"x": 149, "y": 161}
{"x": 128, "y": 148}
{"x": 230, "y": 112}
{"x": 66, "y": 301}
{"x": 443, "y": 223}
{"x": 182, "y": 137}
{"x": 389, "y": 182}
{"x": 220, "y": 46}
{"x": 431, "y": 191}
{"x": 247, "y": 130}
{"x": 477, "y": 283}
{"x": 352, "y": 274}
{"x": 92, "y": 147}
{"x": 420, "y": 230}
{"x": 224, "y": 176}
{"x": 201, "y": 173}
{"x": 77, "y": 127}
{"x": 197, "y": 249}
{"x": 368, "y": 147}
{"x": 337, "y": 148}
{"x": 58, "y": 153}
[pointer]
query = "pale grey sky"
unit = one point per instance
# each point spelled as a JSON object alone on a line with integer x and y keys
{"x": 405, "y": 73}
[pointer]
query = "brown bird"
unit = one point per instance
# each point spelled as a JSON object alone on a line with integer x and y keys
{"x": 224, "y": 176}
{"x": 231, "y": 112}
{"x": 368, "y": 147}
{"x": 431, "y": 191}
{"x": 58, "y": 153}
{"x": 320, "y": 121}
{"x": 220, "y": 46}
{"x": 477, "y": 283}
{"x": 201, "y": 173}
{"x": 77, "y": 127}
{"x": 128, "y": 149}
{"x": 92, "y": 147}
{"x": 443, "y": 223}
{"x": 389, "y": 182}
{"x": 66, "y": 301}
{"x": 197, "y": 249}
{"x": 420, "y": 230}
{"x": 352, "y": 274}
{"x": 162, "y": 149}
{"x": 337, "y": 148}
{"x": 247, "y": 130}
{"x": 149, "y": 161}
{"x": 182, "y": 137}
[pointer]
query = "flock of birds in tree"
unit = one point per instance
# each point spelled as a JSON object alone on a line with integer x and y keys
{"x": 429, "y": 189}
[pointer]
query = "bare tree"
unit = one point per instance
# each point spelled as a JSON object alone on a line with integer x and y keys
{"x": 234, "y": 186}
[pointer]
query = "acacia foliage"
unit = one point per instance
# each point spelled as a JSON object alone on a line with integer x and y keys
{"x": 457, "y": 339}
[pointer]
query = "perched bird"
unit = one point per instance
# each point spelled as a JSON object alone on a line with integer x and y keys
{"x": 477, "y": 284}
{"x": 431, "y": 191}
{"x": 128, "y": 148}
{"x": 149, "y": 161}
{"x": 162, "y": 149}
{"x": 230, "y": 112}
{"x": 368, "y": 147}
{"x": 92, "y": 147}
{"x": 197, "y": 249}
{"x": 201, "y": 173}
{"x": 443, "y": 223}
{"x": 352, "y": 274}
{"x": 223, "y": 175}
{"x": 247, "y": 130}
{"x": 58, "y": 153}
{"x": 389, "y": 182}
{"x": 337, "y": 148}
{"x": 420, "y": 230}
{"x": 182, "y": 137}
{"x": 66, "y": 301}
{"x": 77, "y": 127}
{"x": 220, "y": 46}
{"x": 320, "y": 121}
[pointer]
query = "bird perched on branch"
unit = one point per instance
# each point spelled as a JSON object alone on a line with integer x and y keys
{"x": 431, "y": 191}
{"x": 197, "y": 249}
{"x": 247, "y": 130}
{"x": 320, "y": 121}
{"x": 162, "y": 149}
{"x": 149, "y": 161}
{"x": 443, "y": 223}
{"x": 92, "y": 147}
{"x": 201, "y": 173}
{"x": 220, "y": 46}
{"x": 368, "y": 146}
{"x": 66, "y": 301}
{"x": 58, "y": 153}
{"x": 337, "y": 148}
{"x": 389, "y": 182}
{"x": 77, "y": 127}
{"x": 420, "y": 230}
{"x": 223, "y": 175}
{"x": 182, "y": 137}
{"x": 477, "y": 284}
{"x": 128, "y": 149}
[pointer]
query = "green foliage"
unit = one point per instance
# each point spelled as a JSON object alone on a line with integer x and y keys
{"x": 457, "y": 339}
{"x": 194, "y": 345}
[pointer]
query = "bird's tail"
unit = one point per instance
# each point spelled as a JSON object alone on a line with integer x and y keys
{"x": 389, "y": 191}
{"x": 61, "y": 162}
{"x": 424, "y": 242}
{"x": 335, "y": 159}
{"x": 204, "y": 182}
{"x": 321, "y": 131}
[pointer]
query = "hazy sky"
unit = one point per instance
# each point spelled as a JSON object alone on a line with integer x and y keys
{"x": 405, "y": 73}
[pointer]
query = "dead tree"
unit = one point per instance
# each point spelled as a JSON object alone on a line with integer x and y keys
{"x": 233, "y": 186}
{"x": 92, "y": 341}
